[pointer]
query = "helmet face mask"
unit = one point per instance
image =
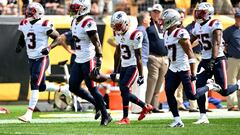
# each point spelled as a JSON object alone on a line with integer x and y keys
{"x": 203, "y": 12}
{"x": 79, "y": 8}
{"x": 30, "y": 12}
{"x": 170, "y": 18}
{"x": 34, "y": 11}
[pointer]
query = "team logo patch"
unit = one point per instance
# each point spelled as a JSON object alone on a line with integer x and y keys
{"x": 138, "y": 38}
{"x": 181, "y": 35}
{"x": 89, "y": 25}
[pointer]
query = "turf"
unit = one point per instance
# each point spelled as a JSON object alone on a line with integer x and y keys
{"x": 148, "y": 127}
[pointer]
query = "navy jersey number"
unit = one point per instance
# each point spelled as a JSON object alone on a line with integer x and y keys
{"x": 126, "y": 52}
{"x": 32, "y": 37}
{"x": 174, "y": 51}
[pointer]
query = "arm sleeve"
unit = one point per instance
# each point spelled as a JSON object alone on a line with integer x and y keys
{"x": 183, "y": 34}
{"x": 137, "y": 42}
{"x": 217, "y": 25}
{"x": 48, "y": 27}
{"x": 69, "y": 37}
{"x": 90, "y": 26}
{"x": 226, "y": 35}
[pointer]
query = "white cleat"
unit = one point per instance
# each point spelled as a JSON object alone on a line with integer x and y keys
{"x": 202, "y": 120}
{"x": 175, "y": 124}
{"x": 214, "y": 87}
{"x": 25, "y": 118}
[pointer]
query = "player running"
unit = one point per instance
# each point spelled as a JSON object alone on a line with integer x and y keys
{"x": 208, "y": 31}
{"x": 182, "y": 65}
{"x": 88, "y": 52}
{"x": 34, "y": 35}
{"x": 129, "y": 49}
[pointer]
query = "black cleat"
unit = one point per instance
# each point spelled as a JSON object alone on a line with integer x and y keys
{"x": 97, "y": 114}
{"x": 105, "y": 121}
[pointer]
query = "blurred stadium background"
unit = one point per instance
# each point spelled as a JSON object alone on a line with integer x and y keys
{"x": 14, "y": 76}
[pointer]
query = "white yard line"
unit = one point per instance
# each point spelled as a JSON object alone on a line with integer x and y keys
{"x": 88, "y": 117}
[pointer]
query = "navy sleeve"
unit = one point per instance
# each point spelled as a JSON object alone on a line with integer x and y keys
{"x": 226, "y": 35}
{"x": 70, "y": 39}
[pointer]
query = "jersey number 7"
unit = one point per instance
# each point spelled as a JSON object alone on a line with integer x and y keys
{"x": 174, "y": 51}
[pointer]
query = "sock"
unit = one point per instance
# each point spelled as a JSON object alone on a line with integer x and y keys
{"x": 64, "y": 88}
{"x": 125, "y": 111}
{"x": 136, "y": 100}
{"x": 203, "y": 115}
{"x": 177, "y": 118}
{"x": 52, "y": 87}
{"x": 32, "y": 102}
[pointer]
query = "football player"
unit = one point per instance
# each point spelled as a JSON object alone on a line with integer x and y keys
{"x": 129, "y": 49}
{"x": 34, "y": 35}
{"x": 182, "y": 65}
{"x": 88, "y": 56}
{"x": 208, "y": 31}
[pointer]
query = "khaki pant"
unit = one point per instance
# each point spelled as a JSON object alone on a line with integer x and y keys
{"x": 223, "y": 6}
{"x": 140, "y": 91}
{"x": 179, "y": 92}
{"x": 233, "y": 74}
{"x": 157, "y": 68}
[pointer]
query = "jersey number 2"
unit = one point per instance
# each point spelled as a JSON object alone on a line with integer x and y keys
{"x": 32, "y": 37}
{"x": 77, "y": 40}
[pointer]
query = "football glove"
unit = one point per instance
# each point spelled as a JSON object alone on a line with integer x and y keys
{"x": 193, "y": 78}
{"x": 45, "y": 51}
{"x": 140, "y": 80}
{"x": 113, "y": 76}
{"x": 211, "y": 64}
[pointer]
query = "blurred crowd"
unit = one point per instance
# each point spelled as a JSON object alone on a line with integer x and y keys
{"x": 106, "y": 7}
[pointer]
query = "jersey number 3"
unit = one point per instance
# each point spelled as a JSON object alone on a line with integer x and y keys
{"x": 126, "y": 52}
{"x": 32, "y": 38}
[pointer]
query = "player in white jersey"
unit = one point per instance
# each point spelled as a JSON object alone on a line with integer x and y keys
{"x": 182, "y": 65}
{"x": 208, "y": 31}
{"x": 34, "y": 33}
{"x": 88, "y": 51}
{"x": 129, "y": 51}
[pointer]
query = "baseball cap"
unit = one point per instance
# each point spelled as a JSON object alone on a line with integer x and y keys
{"x": 237, "y": 14}
{"x": 157, "y": 7}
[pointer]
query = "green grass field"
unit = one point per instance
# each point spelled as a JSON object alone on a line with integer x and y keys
{"x": 147, "y": 127}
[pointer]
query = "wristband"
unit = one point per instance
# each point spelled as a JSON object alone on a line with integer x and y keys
{"x": 192, "y": 60}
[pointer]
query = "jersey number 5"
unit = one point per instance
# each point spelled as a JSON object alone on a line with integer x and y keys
{"x": 32, "y": 37}
{"x": 126, "y": 52}
{"x": 174, "y": 51}
{"x": 207, "y": 45}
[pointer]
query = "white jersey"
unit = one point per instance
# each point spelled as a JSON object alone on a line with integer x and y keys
{"x": 128, "y": 42}
{"x": 204, "y": 34}
{"x": 85, "y": 50}
{"x": 179, "y": 59}
{"x": 35, "y": 36}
